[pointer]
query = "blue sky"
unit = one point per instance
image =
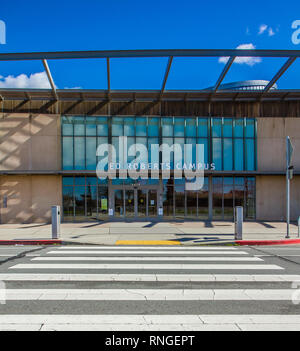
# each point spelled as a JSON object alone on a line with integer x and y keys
{"x": 157, "y": 24}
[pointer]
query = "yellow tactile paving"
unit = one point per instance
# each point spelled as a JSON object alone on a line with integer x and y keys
{"x": 147, "y": 242}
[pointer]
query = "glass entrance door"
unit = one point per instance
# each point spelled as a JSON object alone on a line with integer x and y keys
{"x": 152, "y": 203}
{"x": 141, "y": 203}
{"x": 130, "y": 203}
{"x": 136, "y": 203}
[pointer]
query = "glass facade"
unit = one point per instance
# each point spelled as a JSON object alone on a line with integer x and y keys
{"x": 229, "y": 145}
{"x": 85, "y": 198}
{"x": 229, "y": 192}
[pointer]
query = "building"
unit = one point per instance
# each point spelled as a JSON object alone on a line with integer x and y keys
{"x": 49, "y": 138}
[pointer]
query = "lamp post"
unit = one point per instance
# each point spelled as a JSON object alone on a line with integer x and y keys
{"x": 289, "y": 177}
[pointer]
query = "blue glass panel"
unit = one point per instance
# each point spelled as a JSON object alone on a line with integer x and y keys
{"x": 79, "y": 180}
{"x": 102, "y": 126}
{"x": 143, "y": 156}
{"x": 117, "y": 181}
{"x": 191, "y": 127}
{"x": 239, "y": 154}
{"x": 166, "y": 158}
{"x": 217, "y": 127}
{"x": 228, "y": 154}
{"x": 102, "y": 140}
{"x": 141, "y": 126}
{"x": 239, "y": 181}
{"x": 68, "y": 203}
{"x": 250, "y": 152}
{"x": 91, "y": 126}
{"x": 167, "y": 127}
{"x": 153, "y": 181}
{"x": 203, "y": 127}
{"x": 91, "y": 153}
{"x": 79, "y": 126}
{"x": 228, "y": 180}
{"x": 153, "y": 127}
{"x": 129, "y": 126}
{"x": 239, "y": 128}
{"x": 204, "y": 141}
{"x": 115, "y": 144}
{"x": 153, "y": 153}
{"x": 217, "y": 153}
{"x": 67, "y": 126}
{"x": 188, "y": 157}
{"x": 79, "y": 162}
{"x": 227, "y": 127}
{"x": 79, "y": 193}
{"x": 179, "y": 126}
{"x": 179, "y": 158}
{"x": 91, "y": 181}
{"x": 117, "y": 126}
{"x": 68, "y": 163}
{"x": 102, "y": 182}
{"x": 250, "y": 128}
{"x": 68, "y": 181}
{"x": 130, "y": 143}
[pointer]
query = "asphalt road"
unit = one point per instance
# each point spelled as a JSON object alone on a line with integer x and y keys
{"x": 150, "y": 288}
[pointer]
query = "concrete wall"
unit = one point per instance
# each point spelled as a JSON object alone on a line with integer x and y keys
{"x": 271, "y": 190}
{"x": 30, "y": 142}
{"x": 271, "y": 134}
{"x": 29, "y": 198}
{"x": 271, "y": 198}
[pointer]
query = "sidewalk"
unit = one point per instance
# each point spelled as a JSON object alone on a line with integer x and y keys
{"x": 184, "y": 233}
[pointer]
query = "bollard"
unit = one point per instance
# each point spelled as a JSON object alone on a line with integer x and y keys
{"x": 238, "y": 222}
{"x": 299, "y": 227}
{"x": 55, "y": 222}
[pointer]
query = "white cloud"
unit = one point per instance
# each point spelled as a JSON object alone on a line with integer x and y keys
{"x": 262, "y": 29}
{"x": 34, "y": 81}
{"x": 265, "y": 28}
{"x": 250, "y": 61}
{"x": 271, "y": 32}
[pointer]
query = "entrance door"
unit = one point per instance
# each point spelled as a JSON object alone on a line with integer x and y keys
{"x": 136, "y": 203}
{"x": 130, "y": 203}
{"x": 142, "y": 203}
{"x": 152, "y": 203}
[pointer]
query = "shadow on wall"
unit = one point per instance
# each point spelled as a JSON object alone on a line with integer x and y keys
{"x": 29, "y": 143}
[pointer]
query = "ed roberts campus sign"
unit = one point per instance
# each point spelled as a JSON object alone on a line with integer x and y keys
{"x": 188, "y": 162}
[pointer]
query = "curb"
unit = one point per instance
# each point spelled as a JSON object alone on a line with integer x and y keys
{"x": 267, "y": 242}
{"x": 30, "y": 242}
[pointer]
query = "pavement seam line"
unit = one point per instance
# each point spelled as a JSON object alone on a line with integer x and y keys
{"x": 277, "y": 256}
{"x": 20, "y": 255}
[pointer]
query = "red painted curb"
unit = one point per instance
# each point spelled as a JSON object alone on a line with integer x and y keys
{"x": 267, "y": 242}
{"x": 30, "y": 242}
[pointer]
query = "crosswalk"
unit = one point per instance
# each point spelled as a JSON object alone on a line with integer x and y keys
{"x": 147, "y": 288}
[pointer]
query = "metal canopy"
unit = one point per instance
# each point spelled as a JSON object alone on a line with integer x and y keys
{"x": 154, "y": 95}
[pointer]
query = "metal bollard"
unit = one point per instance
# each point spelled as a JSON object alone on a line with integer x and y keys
{"x": 55, "y": 222}
{"x": 238, "y": 222}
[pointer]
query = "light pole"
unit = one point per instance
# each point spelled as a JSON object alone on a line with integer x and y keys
{"x": 289, "y": 177}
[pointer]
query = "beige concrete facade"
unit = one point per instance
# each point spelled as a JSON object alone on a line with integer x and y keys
{"x": 29, "y": 198}
{"x": 271, "y": 190}
{"x": 29, "y": 143}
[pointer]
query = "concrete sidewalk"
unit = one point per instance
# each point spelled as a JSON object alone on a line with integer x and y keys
{"x": 186, "y": 233}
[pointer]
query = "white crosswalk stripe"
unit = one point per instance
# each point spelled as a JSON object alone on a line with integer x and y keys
{"x": 143, "y": 258}
{"x": 162, "y": 277}
{"x": 145, "y": 253}
{"x": 144, "y": 266}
